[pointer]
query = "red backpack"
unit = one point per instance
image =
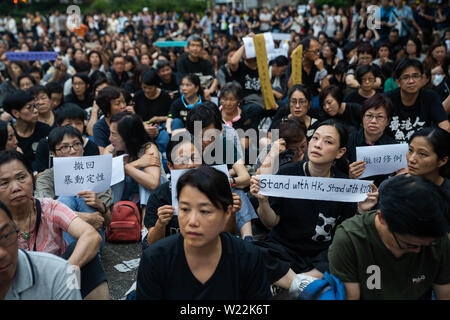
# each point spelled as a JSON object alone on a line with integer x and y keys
{"x": 125, "y": 223}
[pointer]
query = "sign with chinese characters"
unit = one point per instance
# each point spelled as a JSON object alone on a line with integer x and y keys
{"x": 314, "y": 188}
{"x": 76, "y": 174}
{"x": 176, "y": 174}
{"x": 382, "y": 159}
{"x": 31, "y": 56}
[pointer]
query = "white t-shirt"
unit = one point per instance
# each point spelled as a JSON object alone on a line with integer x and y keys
{"x": 265, "y": 26}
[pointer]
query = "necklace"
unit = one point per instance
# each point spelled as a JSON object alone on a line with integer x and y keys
{"x": 27, "y": 235}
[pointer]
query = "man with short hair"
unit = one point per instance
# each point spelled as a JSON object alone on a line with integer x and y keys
{"x": 118, "y": 74}
{"x": 29, "y": 275}
{"x": 401, "y": 250}
{"x": 414, "y": 107}
{"x": 194, "y": 63}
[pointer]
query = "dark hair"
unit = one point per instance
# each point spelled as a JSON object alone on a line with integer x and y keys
{"x": 104, "y": 98}
{"x": 57, "y": 135}
{"x": 439, "y": 139}
{"x": 16, "y": 101}
{"x": 232, "y": 87}
{"x": 83, "y": 77}
{"x": 205, "y": 113}
{"x": 212, "y": 183}
{"x": 116, "y": 55}
{"x": 332, "y": 90}
{"x": 307, "y": 42}
{"x": 161, "y": 64}
{"x": 150, "y": 78}
{"x": 132, "y": 132}
{"x": 341, "y": 163}
{"x": 69, "y": 111}
{"x": 82, "y": 66}
{"x": 292, "y": 130}
{"x": 99, "y": 55}
{"x": 3, "y": 134}
{"x": 35, "y": 90}
{"x": 33, "y": 69}
{"x": 406, "y": 63}
{"x": 26, "y": 75}
{"x": 414, "y": 206}
{"x": 387, "y": 69}
{"x": 54, "y": 87}
{"x": 362, "y": 70}
{"x": 303, "y": 89}
{"x": 366, "y": 48}
{"x": 7, "y": 156}
{"x": 280, "y": 61}
{"x": 379, "y": 100}
{"x": 418, "y": 45}
{"x": 193, "y": 78}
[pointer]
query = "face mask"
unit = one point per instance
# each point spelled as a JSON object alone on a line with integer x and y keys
{"x": 438, "y": 79}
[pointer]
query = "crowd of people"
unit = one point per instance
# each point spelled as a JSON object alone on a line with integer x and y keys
{"x": 137, "y": 84}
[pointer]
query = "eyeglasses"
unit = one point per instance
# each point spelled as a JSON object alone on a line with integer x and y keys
{"x": 187, "y": 160}
{"x": 369, "y": 117}
{"x": 300, "y": 102}
{"x": 9, "y": 238}
{"x": 370, "y": 80}
{"x": 30, "y": 107}
{"x": 66, "y": 149}
{"x": 412, "y": 246}
{"x": 414, "y": 76}
{"x": 78, "y": 84}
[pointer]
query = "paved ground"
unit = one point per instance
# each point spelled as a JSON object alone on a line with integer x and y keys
{"x": 113, "y": 254}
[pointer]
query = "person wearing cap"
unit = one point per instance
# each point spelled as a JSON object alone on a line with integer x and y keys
{"x": 29, "y": 131}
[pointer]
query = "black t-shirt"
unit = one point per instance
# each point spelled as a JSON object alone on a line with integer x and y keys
{"x": 101, "y": 133}
{"x": 164, "y": 273}
{"x": 43, "y": 160}
{"x": 426, "y": 111}
{"x": 307, "y": 226}
{"x": 201, "y": 68}
{"x": 148, "y": 109}
{"x": 171, "y": 86}
{"x": 355, "y": 97}
{"x": 83, "y": 104}
{"x": 248, "y": 79}
{"x": 445, "y": 188}
{"x": 160, "y": 197}
{"x": 29, "y": 145}
{"x": 351, "y": 116}
{"x": 178, "y": 110}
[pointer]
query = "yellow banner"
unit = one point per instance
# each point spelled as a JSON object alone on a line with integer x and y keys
{"x": 297, "y": 60}
{"x": 263, "y": 71}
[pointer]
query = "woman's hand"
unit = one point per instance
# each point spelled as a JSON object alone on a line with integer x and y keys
{"x": 147, "y": 160}
{"x": 165, "y": 214}
{"x": 237, "y": 203}
{"x": 109, "y": 149}
{"x": 91, "y": 199}
{"x": 255, "y": 187}
{"x": 371, "y": 200}
{"x": 152, "y": 129}
{"x": 356, "y": 169}
{"x": 279, "y": 145}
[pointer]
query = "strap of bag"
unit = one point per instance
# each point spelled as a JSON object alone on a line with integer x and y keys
{"x": 38, "y": 221}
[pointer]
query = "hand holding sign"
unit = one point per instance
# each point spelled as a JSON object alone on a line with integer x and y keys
{"x": 255, "y": 188}
{"x": 383, "y": 159}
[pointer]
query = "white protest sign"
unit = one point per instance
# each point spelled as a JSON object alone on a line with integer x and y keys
{"x": 250, "y": 46}
{"x": 281, "y": 36}
{"x": 118, "y": 173}
{"x": 313, "y": 188}
{"x": 75, "y": 174}
{"x": 176, "y": 174}
{"x": 382, "y": 159}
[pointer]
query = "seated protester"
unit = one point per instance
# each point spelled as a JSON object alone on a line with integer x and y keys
{"x": 68, "y": 115}
{"x": 152, "y": 105}
{"x": 111, "y": 101}
{"x": 160, "y": 219}
{"x": 414, "y": 107}
{"x": 231, "y": 96}
{"x": 27, "y": 275}
{"x": 167, "y": 79}
{"x": 408, "y": 232}
{"x": 142, "y": 166}
{"x": 202, "y": 261}
{"x": 193, "y": 63}
{"x": 135, "y": 82}
{"x": 277, "y": 74}
{"x": 26, "y": 81}
{"x": 67, "y": 141}
{"x": 300, "y": 101}
{"x": 295, "y": 236}
{"x": 80, "y": 94}
{"x": 443, "y": 87}
{"x": 8, "y": 139}
{"x": 95, "y": 112}
{"x": 366, "y": 77}
{"x": 290, "y": 147}
{"x": 117, "y": 73}
{"x": 215, "y": 151}
{"x": 376, "y": 114}
{"x": 43, "y": 221}
{"x": 224, "y": 72}
{"x": 384, "y": 54}
{"x": 365, "y": 56}
{"x": 191, "y": 95}
{"x": 387, "y": 70}
{"x": 337, "y": 77}
{"x": 29, "y": 131}
{"x": 332, "y": 106}
{"x": 55, "y": 92}
{"x": 42, "y": 100}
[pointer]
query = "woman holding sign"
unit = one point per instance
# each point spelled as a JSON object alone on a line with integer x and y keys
{"x": 376, "y": 114}
{"x": 302, "y": 229}
{"x": 42, "y": 223}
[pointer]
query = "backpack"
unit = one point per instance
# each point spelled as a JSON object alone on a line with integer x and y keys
{"x": 125, "y": 223}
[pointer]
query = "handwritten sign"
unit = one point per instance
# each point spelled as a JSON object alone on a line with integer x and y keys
{"x": 75, "y": 174}
{"x": 313, "y": 188}
{"x": 118, "y": 173}
{"x": 297, "y": 60}
{"x": 31, "y": 55}
{"x": 382, "y": 159}
{"x": 263, "y": 71}
{"x": 176, "y": 174}
{"x": 249, "y": 45}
